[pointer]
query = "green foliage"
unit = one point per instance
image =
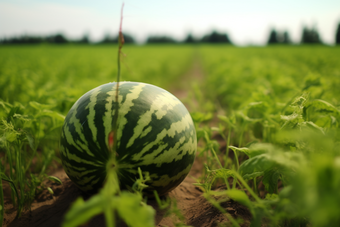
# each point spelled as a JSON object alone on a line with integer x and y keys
{"x": 58, "y": 76}
{"x": 281, "y": 123}
{"x": 24, "y": 130}
{"x": 38, "y": 86}
{"x": 276, "y": 109}
{"x": 110, "y": 201}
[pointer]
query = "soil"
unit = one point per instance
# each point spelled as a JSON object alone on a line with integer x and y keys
{"x": 48, "y": 210}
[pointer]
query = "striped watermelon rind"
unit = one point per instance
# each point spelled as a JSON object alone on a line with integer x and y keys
{"x": 155, "y": 132}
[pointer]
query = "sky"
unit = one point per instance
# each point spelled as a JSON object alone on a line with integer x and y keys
{"x": 247, "y": 22}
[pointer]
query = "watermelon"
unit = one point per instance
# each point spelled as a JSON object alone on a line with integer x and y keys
{"x": 155, "y": 133}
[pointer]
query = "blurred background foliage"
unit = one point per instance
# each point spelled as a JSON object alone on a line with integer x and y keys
{"x": 308, "y": 36}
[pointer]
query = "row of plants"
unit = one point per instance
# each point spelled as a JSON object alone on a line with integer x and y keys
{"x": 275, "y": 109}
{"x": 278, "y": 114}
{"x": 60, "y": 75}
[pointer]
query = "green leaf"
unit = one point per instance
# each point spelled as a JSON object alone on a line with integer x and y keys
{"x": 254, "y": 149}
{"x": 200, "y": 133}
{"x": 270, "y": 180}
{"x": 240, "y": 197}
{"x": 21, "y": 117}
{"x": 50, "y": 190}
{"x": 247, "y": 119}
{"x": 81, "y": 212}
{"x": 201, "y": 117}
{"x": 250, "y": 176}
{"x": 259, "y": 163}
{"x": 11, "y": 136}
{"x": 311, "y": 82}
{"x": 133, "y": 212}
{"x": 221, "y": 173}
{"x": 55, "y": 179}
{"x": 244, "y": 150}
{"x": 323, "y": 106}
{"x": 313, "y": 126}
{"x": 52, "y": 114}
{"x": 230, "y": 122}
{"x": 6, "y": 106}
{"x": 291, "y": 121}
{"x": 30, "y": 140}
{"x": 237, "y": 195}
{"x": 39, "y": 106}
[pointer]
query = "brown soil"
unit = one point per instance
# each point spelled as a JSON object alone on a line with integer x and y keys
{"x": 48, "y": 210}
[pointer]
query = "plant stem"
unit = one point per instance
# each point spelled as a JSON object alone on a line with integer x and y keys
{"x": 236, "y": 160}
{"x": 228, "y": 144}
{"x": 216, "y": 157}
{"x": 241, "y": 136}
{"x": 218, "y": 161}
{"x": 255, "y": 186}
{"x": 244, "y": 183}
{"x": 113, "y": 134}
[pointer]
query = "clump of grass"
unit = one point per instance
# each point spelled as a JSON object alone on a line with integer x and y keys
{"x": 24, "y": 131}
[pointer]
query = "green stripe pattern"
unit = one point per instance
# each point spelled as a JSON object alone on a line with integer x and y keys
{"x": 155, "y": 132}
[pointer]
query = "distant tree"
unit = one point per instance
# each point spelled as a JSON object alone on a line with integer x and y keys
{"x": 278, "y": 37}
{"x": 337, "y": 35}
{"x": 127, "y": 39}
{"x": 114, "y": 40}
{"x": 216, "y": 37}
{"x": 25, "y": 39}
{"x": 273, "y": 37}
{"x": 57, "y": 39}
{"x": 85, "y": 39}
{"x": 160, "y": 39}
{"x": 286, "y": 38}
{"x": 310, "y": 36}
{"x": 189, "y": 39}
{"x": 107, "y": 39}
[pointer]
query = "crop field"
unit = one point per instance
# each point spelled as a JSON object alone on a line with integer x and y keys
{"x": 267, "y": 129}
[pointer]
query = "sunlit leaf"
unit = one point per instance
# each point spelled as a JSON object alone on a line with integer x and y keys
{"x": 201, "y": 117}
{"x": 235, "y": 194}
{"x": 50, "y": 190}
{"x": 313, "y": 126}
{"x": 133, "y": 212}
{"x": 230, "y": 122}
{"x": 55, "y": 179}
{"x": 39, "y": 106}
{"x": 244, "y": 150}
{"x": 240, "y": 197}
{"x": 52, "y": 114}
{"x": 11, "y": 136}
{"x": 22, "y": 117}
{"x": 323, "y": 106}
{"x": 253, "y": 175}
{"x": 246, "y": 118}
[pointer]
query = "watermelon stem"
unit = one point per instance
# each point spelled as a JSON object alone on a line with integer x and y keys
{"x": 113, "y": 135}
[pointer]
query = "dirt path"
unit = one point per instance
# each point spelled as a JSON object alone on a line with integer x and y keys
{"x": 48, "y": 210}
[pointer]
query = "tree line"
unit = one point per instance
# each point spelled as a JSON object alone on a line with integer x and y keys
{"x": 308, "y": 36}
{"x": 213, "y": 37}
